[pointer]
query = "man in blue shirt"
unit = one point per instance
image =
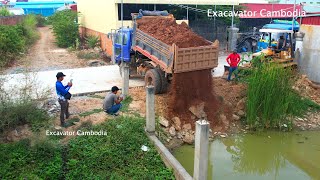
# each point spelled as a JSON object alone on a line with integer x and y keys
{"x": 61, "y": 92}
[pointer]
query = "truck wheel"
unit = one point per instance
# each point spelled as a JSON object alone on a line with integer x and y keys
{"x": 152, "y": 77}
{"x": 164, "y": 81}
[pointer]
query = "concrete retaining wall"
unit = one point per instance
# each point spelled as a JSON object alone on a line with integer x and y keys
{"x": 169, "y": 160}
{"x": 310, "y": 61}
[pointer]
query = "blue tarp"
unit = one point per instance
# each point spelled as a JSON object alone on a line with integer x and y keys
{"x": 281, "y": 26}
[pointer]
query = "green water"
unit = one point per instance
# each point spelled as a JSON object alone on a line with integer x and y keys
{"x": 268, "y": 155}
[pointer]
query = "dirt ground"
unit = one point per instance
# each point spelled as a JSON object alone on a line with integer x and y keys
{"x": 45, "y": 55}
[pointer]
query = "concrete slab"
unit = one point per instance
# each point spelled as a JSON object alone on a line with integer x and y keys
{"x": 85, "y": 80}
{"x": 219, "y": 71}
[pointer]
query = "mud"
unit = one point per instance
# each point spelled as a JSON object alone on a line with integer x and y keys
{"x": 191, "y": 89}
{"x": 169, "y": 32}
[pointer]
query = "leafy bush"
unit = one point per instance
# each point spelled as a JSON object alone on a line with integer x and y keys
{"x": 20, "y": 113}
{"x": 92, "y": 41}
{"x": 65, "y": 28}
{"x": 41, "y": 21}
{"x": 11, "y": 43}
{"x": 5, "y": 12}
{"x": 22, "y": 161}
{"x": 270, "y": 98}
{"x": 20, "y": 105}
{"x": 15, "y": 39}
{"x": 117, "y": 155}
{"x": 29, "y": 29}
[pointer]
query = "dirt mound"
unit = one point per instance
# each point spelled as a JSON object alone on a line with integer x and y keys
{"x": 169, "y": 32}
{"x": 193, "y": 89}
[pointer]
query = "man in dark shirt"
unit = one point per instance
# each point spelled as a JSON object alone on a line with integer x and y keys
{"x": 61, "y": 92}
{"x": 281, "y": 43}
{"x": 112, "y": 103}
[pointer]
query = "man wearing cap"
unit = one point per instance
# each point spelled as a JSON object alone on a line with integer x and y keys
{"x": 112, "y": 102}
{"x": 61, "y": 92}
{"x": 233, "y": 60}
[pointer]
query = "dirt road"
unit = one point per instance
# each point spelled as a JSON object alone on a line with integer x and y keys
{"x": 45, "y": 55}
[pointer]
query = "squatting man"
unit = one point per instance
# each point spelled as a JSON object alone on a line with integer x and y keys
{"x": 112, "y": 102}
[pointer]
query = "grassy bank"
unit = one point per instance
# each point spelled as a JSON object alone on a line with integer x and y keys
{"x": 22, "y": 160}
{"x": 271, "y": 99}
{"x": 117, "y": 155}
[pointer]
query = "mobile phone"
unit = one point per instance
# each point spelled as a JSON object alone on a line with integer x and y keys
{"x": 71, "y": 80}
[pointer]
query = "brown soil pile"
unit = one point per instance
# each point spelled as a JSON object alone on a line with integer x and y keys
{"x": 169, "y": 32}
{"x": 191, "y": 89}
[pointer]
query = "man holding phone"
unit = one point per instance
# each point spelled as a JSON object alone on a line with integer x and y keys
{"x": 63, "y": 96}
{"x": 112, "y": 102}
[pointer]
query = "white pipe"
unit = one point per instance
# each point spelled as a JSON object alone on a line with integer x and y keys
{"x": 232, "y": 18}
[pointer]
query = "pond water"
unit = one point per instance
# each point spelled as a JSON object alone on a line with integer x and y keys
{"x": 266, "y": 155}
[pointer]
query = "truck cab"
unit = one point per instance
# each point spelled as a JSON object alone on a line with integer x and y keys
{"x": 122, "y": 45}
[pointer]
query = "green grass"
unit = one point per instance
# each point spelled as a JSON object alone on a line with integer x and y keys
{"x": 13, "y": 114}
{"x": 22, "y": 161}
{"x": 71, "y": 122}
{"x": 125, "y": 104}
{"x": 88, "y": 55}
{"x": 270, "y": 98}
{"x": 88, "y": 113}
{"x": 117, "y": 155}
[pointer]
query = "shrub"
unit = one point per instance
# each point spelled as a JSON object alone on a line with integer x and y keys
{"x": 65, "y": 28}
{"x": 20, "y": 105}
{"x": 41, "y": 21}
{"x": 5, "y": 12}
{"x": 15, "y": 39}
{"x": 29, "y": 29}
{"x": 270, "y": 98}
{"x": 11, "y": 43}
{"x": 92, "y": 41}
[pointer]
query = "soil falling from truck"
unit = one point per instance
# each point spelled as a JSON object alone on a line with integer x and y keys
{"x": 192, "y": 89}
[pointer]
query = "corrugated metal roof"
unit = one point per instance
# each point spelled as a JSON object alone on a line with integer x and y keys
{"x": 313, "y": 20}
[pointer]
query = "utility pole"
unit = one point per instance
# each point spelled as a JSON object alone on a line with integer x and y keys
{"x": 232, "y": 18}
{"x": 214, "y": 23}
{"x": 294, "y": 9}
{"x": 124, "y": 65}
{"x": 188, "y": 13}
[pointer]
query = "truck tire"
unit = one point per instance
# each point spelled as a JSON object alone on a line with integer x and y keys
{"x": 164, "y": 81}
{"x": 152, "y": 77}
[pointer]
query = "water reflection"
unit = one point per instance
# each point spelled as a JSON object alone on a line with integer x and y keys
{"x": 270, "y": 155}
{"x": 260, "y": 156}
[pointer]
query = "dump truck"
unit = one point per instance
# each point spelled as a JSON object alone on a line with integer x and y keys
{"x": 155, "y": 60}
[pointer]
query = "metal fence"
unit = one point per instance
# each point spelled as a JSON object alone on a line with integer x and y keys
{"x": 211, "y": 30}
